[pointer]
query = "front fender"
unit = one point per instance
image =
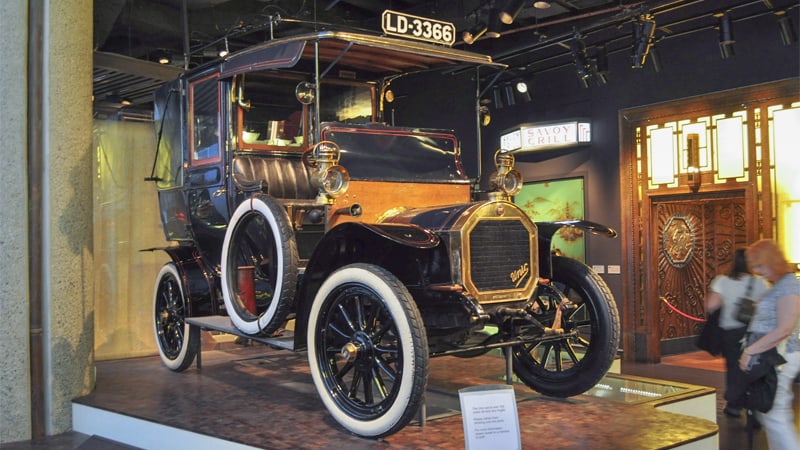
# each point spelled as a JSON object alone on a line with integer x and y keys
{"x": 548, "y": 229}
{"x": 352, "y": 242}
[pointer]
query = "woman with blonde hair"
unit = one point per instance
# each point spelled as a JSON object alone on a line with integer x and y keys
{"x": 776, "y": 324}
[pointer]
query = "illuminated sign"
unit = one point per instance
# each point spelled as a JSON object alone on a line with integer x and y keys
{"x": 532, "y": 137}
{"x": 420, "y": 28}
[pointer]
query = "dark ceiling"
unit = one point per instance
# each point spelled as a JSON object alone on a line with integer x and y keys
{"x": 131, "y": 35}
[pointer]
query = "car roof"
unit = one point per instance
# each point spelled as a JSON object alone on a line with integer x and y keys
{"x": 367, "y": 56}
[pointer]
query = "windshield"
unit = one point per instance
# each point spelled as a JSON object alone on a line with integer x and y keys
{"x": 270, "y": 116}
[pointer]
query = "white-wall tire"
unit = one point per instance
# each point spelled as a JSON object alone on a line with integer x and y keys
{"x": 177, "y": 341}
{"x": 259, "y": 234}
{"x": 366, "y": 306}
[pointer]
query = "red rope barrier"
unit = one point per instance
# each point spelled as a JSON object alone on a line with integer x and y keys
{"x": 696, "y": 319}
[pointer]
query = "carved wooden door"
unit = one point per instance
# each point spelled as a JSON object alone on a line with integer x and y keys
{"x": 695, "y": 239}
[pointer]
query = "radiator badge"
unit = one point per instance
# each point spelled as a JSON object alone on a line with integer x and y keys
{"x": 519, "y": 274}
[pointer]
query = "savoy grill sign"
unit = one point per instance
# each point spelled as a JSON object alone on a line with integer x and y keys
{"x": 542, "y": 136}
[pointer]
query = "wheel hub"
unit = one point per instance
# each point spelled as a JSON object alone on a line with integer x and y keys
{"x": 358, "y": 345}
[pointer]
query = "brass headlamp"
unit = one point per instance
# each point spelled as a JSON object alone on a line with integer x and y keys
{"x": 506, "y": 181}
{"x": 327, "y": 175}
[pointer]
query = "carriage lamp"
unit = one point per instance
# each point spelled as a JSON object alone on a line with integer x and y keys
{"x": 506, "y": 181}
{"x": 327, "y": 175}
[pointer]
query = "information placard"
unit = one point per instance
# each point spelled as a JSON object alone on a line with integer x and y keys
{"x": 489, "y": 414}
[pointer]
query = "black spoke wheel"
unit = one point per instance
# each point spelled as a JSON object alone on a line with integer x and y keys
{"x": 178, "y": 342}
{"x": 259, "y": 266}
{"x": 367, "y": 350}
{"x": 574, "y": 363}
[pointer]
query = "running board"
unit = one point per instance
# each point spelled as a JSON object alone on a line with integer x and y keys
{"x": 224, "y": 324}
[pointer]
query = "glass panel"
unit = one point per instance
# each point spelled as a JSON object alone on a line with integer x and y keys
{"x": 205, "y": 125}
{"x": 786, "y": 133}
{"x": 731, "y": 157}
{"x": 662, "y": 155}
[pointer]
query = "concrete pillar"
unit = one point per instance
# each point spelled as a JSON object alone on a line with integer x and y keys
{"x": 65, "y": 287}
{"x": 15, "y": 399}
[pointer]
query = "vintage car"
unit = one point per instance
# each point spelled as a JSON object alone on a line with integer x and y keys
{"x": 298, "y": 210}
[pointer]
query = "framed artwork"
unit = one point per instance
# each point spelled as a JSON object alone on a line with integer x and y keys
{"x": 552, "y": 200}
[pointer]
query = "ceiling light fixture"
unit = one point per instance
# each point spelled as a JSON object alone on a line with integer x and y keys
{"x": 643, "y": 31}
{"x": 726, "y": 39}
{"x": 495, "y": 25}
{"x": 786, "y": 28}
{"x": 541, "y": 5}
{"x": 222, "y": 49}
{"x": 522, "y": 89}
{"x": 474, "y": 33}
{"x": 511, "y": 10}
{"x": 582, "y": 65}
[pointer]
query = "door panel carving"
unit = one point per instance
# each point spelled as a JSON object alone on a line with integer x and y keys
{"x": 695, "y": 240}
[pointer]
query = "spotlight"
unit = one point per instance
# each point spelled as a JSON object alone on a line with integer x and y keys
{"x": 786, "y": 28}
{"x": 522, "y": 89}
{"x": 474, "y": 33}
{"x": 655, "y": 58}
{"x": 541, "y": 5}
{"x": 497, "y": 98}
{"x": 601, "y": 65}
{"x": 222, "y": 49}
{"x": 581, "y": 61}
{"x": 511, "y": 11}
{"x": 726, "y": 39}
{"x": 643, "y": 31}
{"x": 509, "y": 91}
{"x": 493, "y": 30}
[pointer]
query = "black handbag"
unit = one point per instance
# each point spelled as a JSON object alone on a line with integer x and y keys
{"x": 746, "y": 306}
{"x": 710, "y": 337}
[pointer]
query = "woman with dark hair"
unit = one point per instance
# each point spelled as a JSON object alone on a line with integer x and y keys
{"x": 776, "y": 324}
{"x": 725, "y": 292}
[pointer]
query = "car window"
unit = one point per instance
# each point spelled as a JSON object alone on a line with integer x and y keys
{"x": 204, "y": 104}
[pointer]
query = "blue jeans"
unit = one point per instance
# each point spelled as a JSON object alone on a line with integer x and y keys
{"x": 779, "y": 421}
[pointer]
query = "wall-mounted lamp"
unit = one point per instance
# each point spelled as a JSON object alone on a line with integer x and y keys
{"x": 786, "y": 28}
{"x": 693, "y": 161}
{"x": 511, "y": 10}
{"x": 495, "y": 25}
{"x": 726, "y": 39}
{"x": 643, "y": 31}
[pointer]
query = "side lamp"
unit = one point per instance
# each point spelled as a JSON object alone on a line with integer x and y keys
{"x": 331, "y": 179}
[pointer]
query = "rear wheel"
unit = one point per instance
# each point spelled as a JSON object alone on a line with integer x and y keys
{"x": 567, "y": 366}
{"x": 178, "y": 342}
{"x": 367, "y": 350}
{"x": 259, "y": 266}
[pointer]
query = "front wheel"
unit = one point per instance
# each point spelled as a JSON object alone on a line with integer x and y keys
{"x": 178, "y": 342}
{"x": 563, "y": 367}
{"x": 367, "y": 350}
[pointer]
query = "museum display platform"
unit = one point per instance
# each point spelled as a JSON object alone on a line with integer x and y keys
{"x": 258, "y": 396}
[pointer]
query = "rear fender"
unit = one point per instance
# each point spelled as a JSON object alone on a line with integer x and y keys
{"x": 352, "y": 242}
{"x": 199, "y": 283}
{"x": 548, "y": 229}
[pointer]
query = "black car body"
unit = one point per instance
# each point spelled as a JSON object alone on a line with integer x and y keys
{"x": 290, "y": 200}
